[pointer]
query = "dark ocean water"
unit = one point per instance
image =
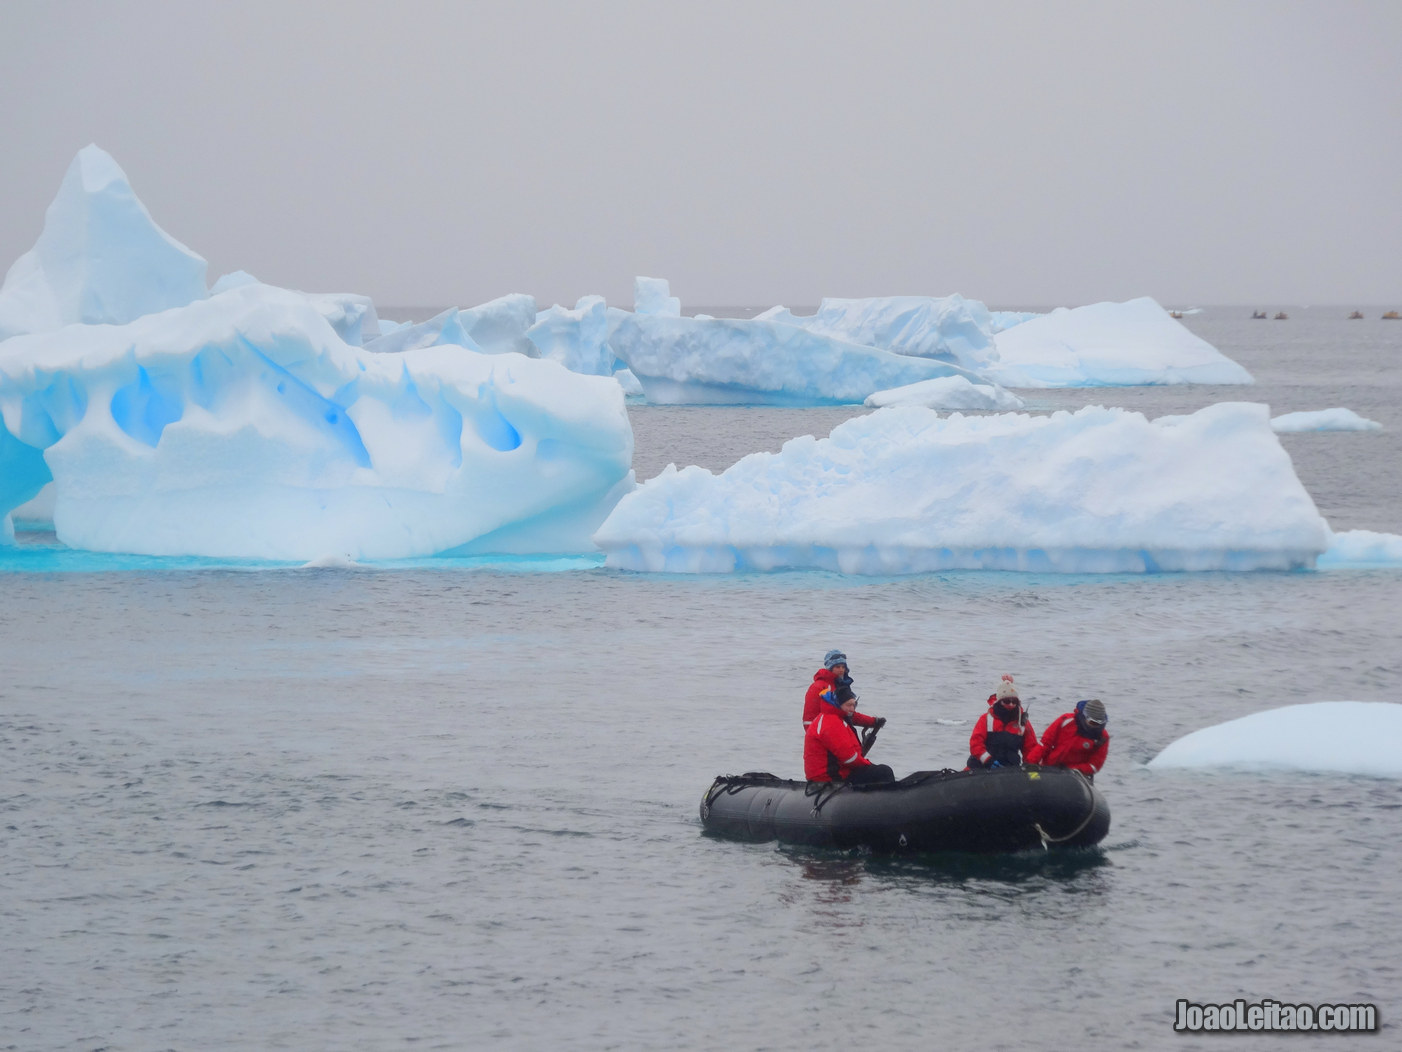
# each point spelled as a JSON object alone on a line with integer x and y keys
{"x": 454, "y": 808}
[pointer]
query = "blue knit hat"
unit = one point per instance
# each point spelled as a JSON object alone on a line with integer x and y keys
{"x": 834, "y": 657}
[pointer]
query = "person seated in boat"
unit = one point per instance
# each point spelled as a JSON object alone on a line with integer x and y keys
{"x": 1003, "y": 736}
{"x": 1078, "y": 740}
{"x": 832, "y": 752}
{"x": 832, "y": 675}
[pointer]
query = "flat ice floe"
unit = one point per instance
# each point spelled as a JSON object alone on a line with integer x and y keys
{"x": 1352, "y": 737}
{"x": 243, "y": 426}
{"x": 1108, "y": 345}
{"x": 1323, "y": 420}
{"x": 1361, "y": 549}
{"x": 905, "y": 490}
{"x": 947, "y": 392}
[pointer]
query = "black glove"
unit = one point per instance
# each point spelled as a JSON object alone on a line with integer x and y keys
{"x": 880, "y": 722}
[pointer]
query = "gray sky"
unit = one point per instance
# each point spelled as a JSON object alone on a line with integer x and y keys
{"x": 753, "y": 153}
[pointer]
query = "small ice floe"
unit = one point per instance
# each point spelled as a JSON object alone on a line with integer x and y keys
{"x": 1323, "y": 420}
{"x": 1359, "y": 549}
{"x": 947, "y": 392}
{"x": 1352, "y": 737}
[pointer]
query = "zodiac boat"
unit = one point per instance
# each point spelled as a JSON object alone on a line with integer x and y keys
{"x": 1001, "y": 810}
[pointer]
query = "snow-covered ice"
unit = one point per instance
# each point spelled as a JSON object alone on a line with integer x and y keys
{"x": 950, "y": 328}
{"x": 243, "y": 426}
{"x": 578, "y": 339}
{"x": 1353, "y": 737}
{"x": 1323, "y": 420}
{"x": 499, "y": 326}
{"x": 904, "y": 490}
{"x": 100, "y": 259}
{"x": 1108, "y": 345}
{"x": 733, "y": 361}
{"x": 947, "y": 392}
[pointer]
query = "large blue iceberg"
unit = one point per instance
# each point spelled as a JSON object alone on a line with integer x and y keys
{"x": 905, "y": 490}
{"x": 244, "y": 426}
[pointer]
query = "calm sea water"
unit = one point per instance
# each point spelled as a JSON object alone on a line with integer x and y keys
{"x": 456, "y": 808}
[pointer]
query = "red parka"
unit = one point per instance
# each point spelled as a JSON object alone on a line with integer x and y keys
{"x": 993, "y": 723}
{"x": 831, "y": 747}
{"x": 1064, "y": 745}
{"x": 824, "y": 680}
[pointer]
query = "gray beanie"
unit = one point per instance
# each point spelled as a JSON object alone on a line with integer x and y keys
{"x": 1094, "y": 712}
{"x": 834, "y": 657}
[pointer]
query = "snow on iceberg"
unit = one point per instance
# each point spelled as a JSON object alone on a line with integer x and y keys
{"x": 1353, "y": 737}
{"x": 733, "y": 361}
{"x": 947, "y": 392}
{"x": 654, "y": 296}
{"x": 1360, "y": 549}
{"x": 949, "y": 328}
{"x": 243, "y": 426}
{"x": 577, "y": 339}
{"x": 1109, "y": 345}
{"x": 100, "y": 259}
{"x": 903, "y": 491}
{"x": 1323, "y": 420}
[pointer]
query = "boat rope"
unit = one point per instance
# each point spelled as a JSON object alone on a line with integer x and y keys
{"x": 820, "y": 790}
{"x": 1048, "y": 839}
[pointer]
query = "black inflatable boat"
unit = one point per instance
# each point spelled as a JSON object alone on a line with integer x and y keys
{"x": 1005, "y": 809}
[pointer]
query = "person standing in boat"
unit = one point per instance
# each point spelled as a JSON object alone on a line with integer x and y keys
{"x": 1078, "y": 740}
{"x": 831, "y": 676}
{"x": 832, "y": 752}
{"x": 1003, "y": 736}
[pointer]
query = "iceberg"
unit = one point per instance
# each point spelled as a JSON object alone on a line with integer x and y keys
{"x": 1006, "y": 319}
{"x": 1323, "y": 420}
{"x": 101, "y": 258}
{"x": 948, "y": 392}
{"x": 654, "y": 296}
{"x": 1108, "y": 345}
{"x": 1351, "y": 737}
{"x": 733, "y": 361}
{"x": 499, "y": 326}
{"x": 949, "y": 328}
{"x": 577, "y": 339}
{"x": 243, "y": 426}
{"x": 1361, "y": 549}
{"x": 903, "y": 490}
{"x": 442, "y": 330}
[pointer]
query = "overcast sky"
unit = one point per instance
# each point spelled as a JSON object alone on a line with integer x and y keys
{"x": 753, "y": 153}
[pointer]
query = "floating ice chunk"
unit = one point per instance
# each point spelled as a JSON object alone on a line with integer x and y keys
{"x": 243, "y": 426}
{"x": 1323, "y": 420}
{"x": 903, "y": 490}
{"x": 499, "y": 326}
{"x": 1353, "y": 737}
{"x": 442, "y": 330}
{"x": 577, "y": 339}
{"x": 629, "y": 383}
{"x": 947, "y": 392}
{"x": 1108, "y": 345}
{"x": 733, "y": 361}
{"x": 100, "y": 259}
{"x": 1354, "y": 549}
{"x": 654, "y": 296}
{"x": 949, "y": 328}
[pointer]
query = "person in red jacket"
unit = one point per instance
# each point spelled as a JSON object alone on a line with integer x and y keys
{"x": 1078, "y": 740}
{"x": 1003, "y": 736}
{"x": 831, "y": 749}
{"x": 832, "y": 675}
